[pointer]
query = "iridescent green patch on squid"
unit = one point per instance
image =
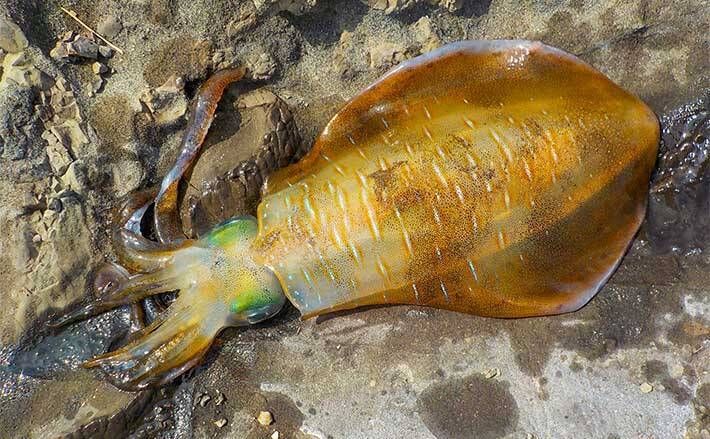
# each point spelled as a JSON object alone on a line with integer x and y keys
{"x": 229, "y": 232}
{"x": 251, "y": 291}
{"x": 252, "y": 299}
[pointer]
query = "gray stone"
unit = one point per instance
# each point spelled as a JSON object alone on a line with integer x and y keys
{"x": 70, "y": 134}
{"x": 167, "y": 104}
{"x": 105, "y": 51}
{"x": 99, "y": 68}
{"x": 244, "y": 19}
{"x": 426, "y": 34}
{"x": 294, "y": 6}
{"x": 109, "y": 27}
{"x": 76, "y": 177}
{"x": 75, "y": 48}
{"x": 52, "y": 273}
{"x": 12, "y": 39}
{"x": 84, "y": 47}
{"x": 387, "y": 54}
{"x": 59, "y": 157}
{"x": 55, "y": 204}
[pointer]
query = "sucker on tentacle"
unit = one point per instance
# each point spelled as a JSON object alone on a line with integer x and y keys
{"x": 497, "y": 178}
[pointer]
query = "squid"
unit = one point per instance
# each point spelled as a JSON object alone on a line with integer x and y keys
{"x": 496, "y": 178}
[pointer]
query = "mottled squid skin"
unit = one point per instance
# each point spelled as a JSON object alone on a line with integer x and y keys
{"x": 501, "y": 179}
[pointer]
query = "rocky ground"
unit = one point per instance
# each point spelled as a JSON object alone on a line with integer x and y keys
{"x": 83, "y": 123}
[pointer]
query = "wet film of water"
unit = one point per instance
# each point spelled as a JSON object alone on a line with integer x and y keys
{"x": 679, "y": 203}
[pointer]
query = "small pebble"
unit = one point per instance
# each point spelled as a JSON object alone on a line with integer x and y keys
{"x": 220, "y": 422}
{"x": 36, "y": 239}
{"x": 109, "y": 27}
{"x": 492, "y": 373}
{"x": 205, "y": 400}
{"x": 220, "y": 398}
{"x": 105, "y": 51}
{"x": 98, "y": 84}
{"x": 84, "y": 47}
{"x": 275, "y": 435}
{"x": 265, "y": 418}
{"x": 646, "y": 388}
{"x": 99, "y": 68}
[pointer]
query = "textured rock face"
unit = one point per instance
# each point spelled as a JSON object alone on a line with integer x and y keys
{"x": 68, "y": 155}
{"x": 392, "y": 6}
{"x": 18, "y": 125}
{"x": 48, "y": 251}
{"x": 12, "y": 39}
{"x": 46, "y": 157}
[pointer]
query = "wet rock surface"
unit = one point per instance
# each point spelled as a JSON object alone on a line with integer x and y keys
{"x": 19, "y": 129}
{"x": 469, "y": 407}
{"x": 632, "y": 363}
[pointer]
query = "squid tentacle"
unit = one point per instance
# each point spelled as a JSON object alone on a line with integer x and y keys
{"x": 166, "y": 350}
{"x": 168, "y": 226}
{"x": 135, "y": 251}
{"x": 129, "y": 291}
